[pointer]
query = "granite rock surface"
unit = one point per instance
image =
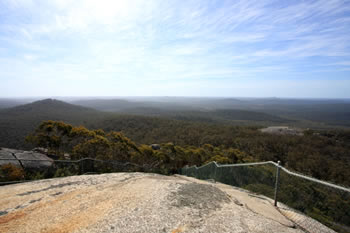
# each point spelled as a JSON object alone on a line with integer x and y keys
{"x": 135, "y": 202}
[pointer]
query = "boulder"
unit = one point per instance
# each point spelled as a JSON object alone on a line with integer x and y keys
{"x": 6, "y": 157}
{"x": 155, "y": 146}
{"x": 29, "y": 160}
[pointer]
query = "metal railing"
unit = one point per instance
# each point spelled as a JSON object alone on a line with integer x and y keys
{"x": 298, "y": 195}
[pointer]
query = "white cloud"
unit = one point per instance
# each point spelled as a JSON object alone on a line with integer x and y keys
{"x": 167, "y": 40}
{"x": 343, "y": 63}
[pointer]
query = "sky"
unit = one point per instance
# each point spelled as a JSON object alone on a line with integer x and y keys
{"x": 248, "y": 48}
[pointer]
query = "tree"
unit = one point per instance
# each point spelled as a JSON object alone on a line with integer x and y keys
{"x": 98, "y": 147}
{"x": 53, "y": 135}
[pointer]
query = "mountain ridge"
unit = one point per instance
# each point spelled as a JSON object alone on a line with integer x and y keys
{"x": 17, "y": 122}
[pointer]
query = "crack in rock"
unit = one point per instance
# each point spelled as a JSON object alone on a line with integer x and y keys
{"x": 48, "y": 188}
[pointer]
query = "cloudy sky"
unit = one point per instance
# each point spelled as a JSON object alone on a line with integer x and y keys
{"x": 248, "y": 48}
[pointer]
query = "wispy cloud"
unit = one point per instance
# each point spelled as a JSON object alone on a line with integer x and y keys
{"x": 342, "y": 63}
{"x": 128, "y": 42}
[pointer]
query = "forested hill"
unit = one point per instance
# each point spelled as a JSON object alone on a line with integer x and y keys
{"x": 49, "y": 108}
{"x": 17, "y": 122}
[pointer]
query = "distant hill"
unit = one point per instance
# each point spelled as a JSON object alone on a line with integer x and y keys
{"x": 306, "y": 113}
{"x": 108, "y": 105}
{"x": 48, "y": 106}
{"x": 49, "y": 109}
{"x": 129, "y": 106}
{"x": 9, "y": 103}
{"x": 19, "y": 121}
{"x": 189, "y": 109}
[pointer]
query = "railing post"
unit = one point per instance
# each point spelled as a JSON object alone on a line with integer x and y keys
{"x": 82, "y": 167}
{"x": 216, "y": 167}
{"x": 277, "y": 181}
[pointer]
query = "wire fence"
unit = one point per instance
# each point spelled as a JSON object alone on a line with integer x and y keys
{"x": 312, "y": 204}
{"x": 23, "y": 170}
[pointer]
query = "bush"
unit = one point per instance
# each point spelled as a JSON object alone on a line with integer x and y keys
{"x": 10, "y": 172}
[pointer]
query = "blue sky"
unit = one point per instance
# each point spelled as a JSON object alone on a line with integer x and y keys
{"x": 277, "y": 48}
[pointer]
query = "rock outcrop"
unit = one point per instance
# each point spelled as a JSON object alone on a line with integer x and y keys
{"x": 135, "y": 202}
{"x": 29, "y": 160}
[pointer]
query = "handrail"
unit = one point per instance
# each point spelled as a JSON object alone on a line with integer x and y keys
{"x": 281, "y": 167}
{"x": 195, "y": 167}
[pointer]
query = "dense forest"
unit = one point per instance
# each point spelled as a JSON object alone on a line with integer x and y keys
{"x": 320, "y": 153}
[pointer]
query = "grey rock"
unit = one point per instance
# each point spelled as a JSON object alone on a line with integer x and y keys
{"x": 155, "y": 146}
{"x": 25, "y": 159}
{"x": 6, "y": 157}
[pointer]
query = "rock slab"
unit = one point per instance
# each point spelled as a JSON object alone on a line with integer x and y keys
{"x": 135, "y": 202}
{"x": 26, "y": 159}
